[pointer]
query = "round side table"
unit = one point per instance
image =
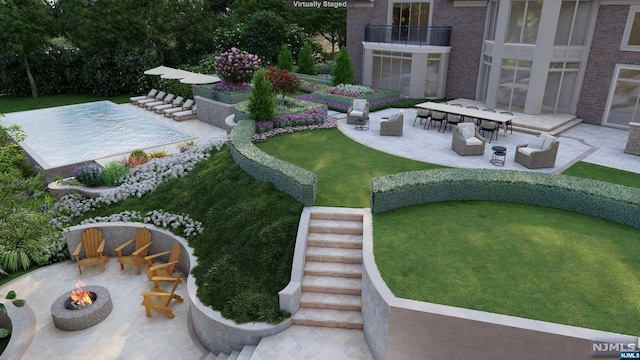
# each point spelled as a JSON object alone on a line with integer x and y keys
{"x": 499, "y": 155}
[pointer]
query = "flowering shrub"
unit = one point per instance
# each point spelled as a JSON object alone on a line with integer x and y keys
{"x": 55, "y": 251}
{"x": 138, "y": 182}
{"x": 283, "y": 81}
{"x": 89, "y": 174}
{"x": 351, "y": 90}
{"x": 312, "y": 117}
{"x": 309, "y": 87}
{"x": 236, "y": 66}
{"x": 329, "y": 123}
{"x": 158, "y": 218}
{"x": 225, "y": 86}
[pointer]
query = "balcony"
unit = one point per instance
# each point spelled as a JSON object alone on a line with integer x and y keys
{"x": 408, "y": 35}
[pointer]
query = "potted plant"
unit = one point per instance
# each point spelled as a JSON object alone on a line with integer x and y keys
{"x": 5, "y": 321}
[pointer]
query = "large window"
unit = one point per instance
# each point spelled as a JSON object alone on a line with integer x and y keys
{"x": 433, "y": 76}
{"x": 492, "y": 19}
{"x": 624, "y": 97}
{"x": 514, "y": 83}
{"x": 573, "y": 22}
{"x": 391, "y": 70}
{"x": 561, "y": 87}
{"x": 410, "y": 13}
{"x": 524, "y": 19}
{"x": 631, "y": 37}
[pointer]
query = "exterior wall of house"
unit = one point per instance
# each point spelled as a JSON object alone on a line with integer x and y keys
{"x": 467, "y": 29}
{"x": 604, "y": 54}
{"x": 357, "y": 18}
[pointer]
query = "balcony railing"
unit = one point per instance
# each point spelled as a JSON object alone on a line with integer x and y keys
{"x": 408, "y": 35}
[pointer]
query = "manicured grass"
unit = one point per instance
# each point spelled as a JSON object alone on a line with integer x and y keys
{"x": 603, "y": 173}
{"x": 514, "y": 259}
{"x": 11, "y": 104}
{"x": 344, "y": 167}
{"x": 246, "y": 250}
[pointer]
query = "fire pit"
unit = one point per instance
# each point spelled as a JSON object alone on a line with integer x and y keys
{"x": 81, "y": 308}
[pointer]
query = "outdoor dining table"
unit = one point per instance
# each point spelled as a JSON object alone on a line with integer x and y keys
{"x": 502, "y": 119}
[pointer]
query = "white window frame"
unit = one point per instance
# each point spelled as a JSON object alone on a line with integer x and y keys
{"x": 392, "y": 2}
{"x": 612, "y": 90}
{"x": 633, "y": 9}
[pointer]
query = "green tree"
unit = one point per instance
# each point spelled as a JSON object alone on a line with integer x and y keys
{"x": 265, "y": 33}
{"x": 262, "y": 104}
{"x": 343, "y": 71}
{"x": 25, "y": 28}
{"x": 330, "y": 24}
{"x": 243, "y": 9}
{"x": 285, "y": 58}
{"x": 306, "y": 64}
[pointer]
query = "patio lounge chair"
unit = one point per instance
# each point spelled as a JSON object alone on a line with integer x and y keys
{"x": 176, "y": 103}
{"x": 392, "y": 126}
{"x": 161, "y": 95}
{"x": 167, "y": 100}
{"x": 538, "y": 153}
{"x": 166, "y": 269}
{"x": 186, "y": 106}
{"x": 159, "y": 299}
{"x": 93, "y": 244}
{"x": 150, "y": 95}
{"x": 186, "y": 115}
{"x": 142, "y": 243}
{"x": 359, "y": 108}
{"x": 466, "y": 140}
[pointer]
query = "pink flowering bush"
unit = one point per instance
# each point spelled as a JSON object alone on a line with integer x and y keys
{"x": 236, "y": 66}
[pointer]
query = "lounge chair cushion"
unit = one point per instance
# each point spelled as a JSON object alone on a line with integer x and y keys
{"x": 359, "y": 105}
{"x": 527, "y": 150}
{"x": 356, "y": 113}
{"x": 548, "y": 140}
{"x": 536, "y": 143}
{"x": 473, "y": 141}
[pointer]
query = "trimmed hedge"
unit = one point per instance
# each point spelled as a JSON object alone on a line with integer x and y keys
{"x": 591, "y": 197}
{"x": 315, "y": 78}
{"x": 299, "y": 183}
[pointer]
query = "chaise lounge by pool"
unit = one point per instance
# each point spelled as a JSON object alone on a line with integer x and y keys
{"x": 68, "y": 135}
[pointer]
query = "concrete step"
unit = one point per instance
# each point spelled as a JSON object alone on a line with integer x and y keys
{"x": 246, "y": 352}
{"x": 223, "y": 356}
{"x": 234, "y": 355}
{"x": 335, "y": 226}
{"x": 328, "y": 318}
{"x": 211, "y": 356}
{"x": 347, "y": 241}
{"x": 331, "y": 284}
{"x": 333, "y": 269}
{"x": 338, "y": 255}
{"x": 349, "y": 216}
{"x": 330, "y": 301}
{"x": 564, "y": 127}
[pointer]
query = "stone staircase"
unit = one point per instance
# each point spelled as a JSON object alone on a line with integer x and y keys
{"x": 332, "y": 280}
{"x": 245, "y": 354}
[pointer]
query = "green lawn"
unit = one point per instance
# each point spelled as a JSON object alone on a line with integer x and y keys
{"x": 344, "y": 167}
{"x": 11, "y": 104}
{"x": 603, "y": 173}
{"x": 514, "y": 259}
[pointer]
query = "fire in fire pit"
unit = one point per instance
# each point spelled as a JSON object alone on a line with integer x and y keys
{"x": 79, "y": 297}
{"x": 74, "y": 317}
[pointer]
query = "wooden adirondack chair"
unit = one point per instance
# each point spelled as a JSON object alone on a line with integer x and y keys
{"x": 166, "y": 269}
{"x": 159, "y": 299}
{"x": 93, "y": 243}
{"x": 142, "y": 243}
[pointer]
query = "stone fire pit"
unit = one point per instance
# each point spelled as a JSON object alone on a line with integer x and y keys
{"x": 72, "y": 320}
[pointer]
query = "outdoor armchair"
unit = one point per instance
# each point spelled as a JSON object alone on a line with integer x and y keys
{"x": 392, "y": 126}
{"x": 539, "y": 153}
{"x": 359, "y": 108}
{"x": 466, "y": 140}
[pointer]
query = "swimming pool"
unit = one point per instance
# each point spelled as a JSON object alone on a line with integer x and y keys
{"x": 78, "y": 133}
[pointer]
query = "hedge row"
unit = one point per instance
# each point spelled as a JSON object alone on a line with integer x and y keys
{"x": 315, "y": 78}
{"x": 383, "y": 94}
{"x": 591, "y": 197}
{"x": 301, "y": 184}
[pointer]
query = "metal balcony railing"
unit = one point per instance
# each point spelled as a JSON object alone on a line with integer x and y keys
{"x": 408, "y": 35}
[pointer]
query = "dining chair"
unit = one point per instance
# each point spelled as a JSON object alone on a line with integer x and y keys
{"x": 422, "y": 114}
{"x": 437, "y": 116}
{"x": 489, "y": 126}
{"x": 509, "y": 123}
{"x": 472, "y": 119}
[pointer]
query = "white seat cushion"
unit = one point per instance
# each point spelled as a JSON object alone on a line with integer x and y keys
{"x": 356, "y": 113}
{"x": 473, "y": 141}
{"x": 467, "y": 130}
{"x": 527, "y": 150}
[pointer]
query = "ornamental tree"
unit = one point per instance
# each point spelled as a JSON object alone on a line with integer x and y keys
{"x": 285, "y": 58}
{"x": 283, "y": 81}
{"x": 306, "y": 64}
{"x": 262, "y": 104}
{"x": 236, "y": 66}
{"x": 343, "y": 71}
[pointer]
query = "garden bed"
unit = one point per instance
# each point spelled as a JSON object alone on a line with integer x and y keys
{"x": 340, "y": 97}
{"x": 294, "y": 106}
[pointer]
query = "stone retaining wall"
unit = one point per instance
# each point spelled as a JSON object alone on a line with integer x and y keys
{"x": 215, "y": 332}
{"x": 214, "y": 112}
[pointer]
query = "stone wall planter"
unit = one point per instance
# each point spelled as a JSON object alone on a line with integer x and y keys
{"x": 231, "y": 97}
